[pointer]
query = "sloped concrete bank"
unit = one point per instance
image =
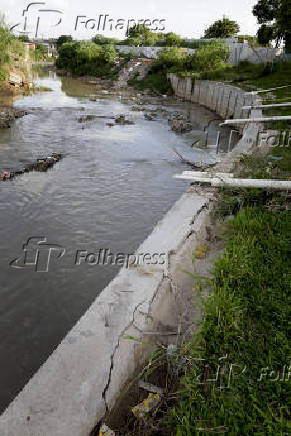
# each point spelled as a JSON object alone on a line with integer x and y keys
{"x": 85, "y": 375}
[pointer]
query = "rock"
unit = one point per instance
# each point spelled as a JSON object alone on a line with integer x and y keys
{"x": 8, "y": 114}
{"x": 180, "y": 126}
{"x": 41, "y": 165}
{"x": 137, "y": 108}
{"x": 85, "y": 118}
{"x": 15, "y": 79}
{"x": 149, "y": 117}
{"x": 122, "y": 120}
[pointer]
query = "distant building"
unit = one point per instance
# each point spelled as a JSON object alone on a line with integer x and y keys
{"x": 51, "y": 45}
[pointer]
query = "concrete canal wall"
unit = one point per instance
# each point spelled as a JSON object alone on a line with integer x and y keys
{"x": 237, "y": 52}
{"x": 226, "y": 100}
{"x": 90, "y": 368}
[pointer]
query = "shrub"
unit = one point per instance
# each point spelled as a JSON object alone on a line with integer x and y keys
{"x": 210, "y": 57}
{"x": 170, "y": 57}
{"x": 85, "y": 57}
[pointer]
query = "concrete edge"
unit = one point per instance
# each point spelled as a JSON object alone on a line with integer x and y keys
{"x": 85, "y": 375}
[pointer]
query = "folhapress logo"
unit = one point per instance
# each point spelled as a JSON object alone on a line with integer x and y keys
{"x": 30, "y": 23}
{"x": 38, "y": 255}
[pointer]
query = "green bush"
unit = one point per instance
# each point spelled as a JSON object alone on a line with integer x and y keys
{"x": 82, "y": 58}
{"x": 10, "y": 46}
{"x": 40, "y": 53}
{"x": 169, "y": 58}
{"x": 103, "y": 40}
{"x": 11, "y": 49}
{"x": 209, "y": 57}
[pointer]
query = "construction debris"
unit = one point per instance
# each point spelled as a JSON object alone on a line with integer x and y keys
{"x": 226, "y": 181}
{"x": 106, "y": 431}
{"x": 40, "y": 165}
{"x": 148, "y": 405}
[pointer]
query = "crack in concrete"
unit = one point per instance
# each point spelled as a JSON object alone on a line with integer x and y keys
{"x": 113, "y": 354}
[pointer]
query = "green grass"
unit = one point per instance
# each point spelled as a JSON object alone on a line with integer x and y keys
{"x": 155, "y": 80}
{"x": 275, "y": 165}
{"x": 247, "y": 319}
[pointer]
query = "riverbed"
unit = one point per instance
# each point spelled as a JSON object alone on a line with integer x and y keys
{"x": 108, "y": 192}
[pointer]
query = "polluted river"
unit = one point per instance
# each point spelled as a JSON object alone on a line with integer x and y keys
{"x": 108, "y": 190}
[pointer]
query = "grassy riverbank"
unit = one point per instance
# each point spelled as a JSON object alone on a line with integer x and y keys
{"x": 233, "y": 376}
{"x": 245, "y": 330}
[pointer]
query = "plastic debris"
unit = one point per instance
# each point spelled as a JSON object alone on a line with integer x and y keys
{"x": 172, "y": 350}
{"x": 149, "y": 404}
{"x": 106, "y": 431}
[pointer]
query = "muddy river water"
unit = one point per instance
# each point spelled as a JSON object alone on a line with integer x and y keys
{"x": 108, "y": 192}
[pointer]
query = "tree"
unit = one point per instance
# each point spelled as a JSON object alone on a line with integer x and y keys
{"x": 23, "y": 38}
{"x": 62, "y": 39}
{"x": 172, "y": 40}
{"x": 141, "y": 35}
{"x": 265, "y": 34}
{"x": 224, "y": 28}
{"x": 101, "y": 40}
{"x": 275, "y": 14}
{"x": 85, "y": 57}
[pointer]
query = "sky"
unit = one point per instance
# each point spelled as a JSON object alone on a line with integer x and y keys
{"x": 188, "y": 18}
